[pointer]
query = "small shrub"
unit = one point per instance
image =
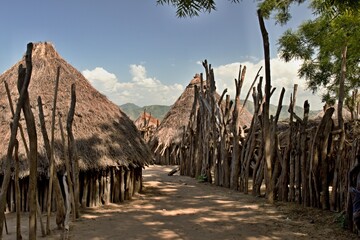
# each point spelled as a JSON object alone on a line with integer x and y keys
{"x": 202, "y": 178}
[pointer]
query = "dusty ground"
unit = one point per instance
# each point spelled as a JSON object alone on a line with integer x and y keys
{"x": 179, "y": 207}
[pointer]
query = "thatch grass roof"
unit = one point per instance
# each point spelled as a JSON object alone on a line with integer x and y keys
{"x": 104, "y": 135}
{"x": 146, "y": 120}
{"x": 346, "y": 114}
{"x": 172, "y": 126}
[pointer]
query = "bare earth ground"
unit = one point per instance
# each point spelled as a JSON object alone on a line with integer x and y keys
{"x": 180, "y": 207}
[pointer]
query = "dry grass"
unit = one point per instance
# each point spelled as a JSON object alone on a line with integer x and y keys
{"x": 104, "y": 135}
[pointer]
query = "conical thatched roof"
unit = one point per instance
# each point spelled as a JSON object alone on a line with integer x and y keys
{"x": 346, "y": 114}
{"x": 171, "y": 128}
{"x": 146, "y": 120}
{"x": 104, "y": 135}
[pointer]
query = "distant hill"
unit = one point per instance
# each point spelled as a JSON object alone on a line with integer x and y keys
{"x": 133, "y": 111}
{"x": 159, "y": 111}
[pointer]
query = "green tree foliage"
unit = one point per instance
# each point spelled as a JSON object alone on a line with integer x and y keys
{"x": 319, "y": 44}
{"x": 191, "y": 8}
{"x": 281, "y": 8}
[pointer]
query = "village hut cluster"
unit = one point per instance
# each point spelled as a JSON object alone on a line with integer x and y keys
{"x": 167, "y": 140}
{"x": 98, "y": 152}
{"x": 108, "y": 149}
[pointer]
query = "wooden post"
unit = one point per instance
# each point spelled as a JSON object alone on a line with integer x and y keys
{"x": 129, "y": 181}
{"x": 17, "y": 190}
{"x": 340, "y": 154}
{"x": 117, "y": 184}
{"x": 68, "y": 203}
{"x": 319, "y": 189}
{"x": 236, "y": 129}
{"x": 85, "y": 195}
{"x": 60, "y": 205}
{"x": 266, "y": 126}
{"x": 13, "y": 113}
{"x": 31, "y": 129}
{"x": 107, "y": 187}
{"x": 91, "y": 190}
{"x": 304, "y": 156}
{"x": 97, "y": 189}
{"x": 51, "y": 163}
{"x": 14, "y": 128}
{"x": 68, "y": 168}
{"x": 122, "y": 184}
{"x": 73, "y": 158}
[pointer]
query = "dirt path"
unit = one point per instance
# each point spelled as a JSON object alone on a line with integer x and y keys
{"x": 179, "y": 207}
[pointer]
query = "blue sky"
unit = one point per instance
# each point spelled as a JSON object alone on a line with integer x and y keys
{"x": 136, "y": 51}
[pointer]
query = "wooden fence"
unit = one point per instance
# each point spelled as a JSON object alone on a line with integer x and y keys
{"x": 309, "y": 165}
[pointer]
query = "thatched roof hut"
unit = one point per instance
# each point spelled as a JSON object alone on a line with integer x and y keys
{"x": 146, "y": 120}
{"x": 172, "y": 126}
{"x": 170, "y": 131}
{"x": 105, "y": 136}
{"x": 147, "y": 125}
{"x": 346, "y": 114}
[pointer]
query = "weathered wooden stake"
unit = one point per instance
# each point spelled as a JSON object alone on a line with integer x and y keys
{"x": 51, "y": 163}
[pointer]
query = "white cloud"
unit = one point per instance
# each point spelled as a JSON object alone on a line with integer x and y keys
{"x": 282, "y": 74}
{"x": 144, "y": 90}
{"x": 141, "y": 89}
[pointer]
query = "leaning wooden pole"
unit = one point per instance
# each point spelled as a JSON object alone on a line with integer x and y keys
{"x": 13, "y": 113}
{"x": 68, "y": 171}
{"x": 17, "y": 190}
{"x": 31, "y": 129}
{"x": 266, "y": 127}
{"x": 14, "y": 127}
{"x": 73, "y": 151}
{"x": 26, "y": 150}
{"x": 60, "y": 205}
{"x": 51, "y": 164}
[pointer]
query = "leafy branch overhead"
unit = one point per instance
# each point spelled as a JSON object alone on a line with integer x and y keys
{"x": 319, "y": 44}
{"x": 191, "y": 8}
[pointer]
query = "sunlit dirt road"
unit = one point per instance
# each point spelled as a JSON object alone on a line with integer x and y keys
{"x": 178, "y": 207}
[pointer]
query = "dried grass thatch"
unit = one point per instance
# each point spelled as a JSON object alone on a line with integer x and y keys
{"x": 146, "y": 120}
{"x": 104, "y": 135}
{"x": 172, "y": 126}
{"x": 346, "y": 114}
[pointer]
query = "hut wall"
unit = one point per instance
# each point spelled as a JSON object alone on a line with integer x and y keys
{"x": 96, "y": 188}
{"x": 171, "y": 156}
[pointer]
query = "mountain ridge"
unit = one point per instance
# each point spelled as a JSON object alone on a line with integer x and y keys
{"x": 159, "y": 111}
{"x": 133, "y": 111}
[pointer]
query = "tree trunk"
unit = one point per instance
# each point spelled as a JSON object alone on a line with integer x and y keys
{"x": 334, "y": 193}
